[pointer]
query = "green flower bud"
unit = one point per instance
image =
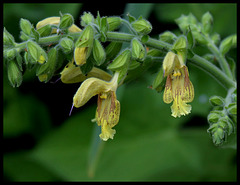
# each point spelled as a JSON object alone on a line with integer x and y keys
{"x": 9, "y": 54}
{"x": 180, "y": 46}
{"x": 138, "y": 50}
{"x": 180, "y": 43}
{"x": 98, "y": 52}
{"x": 46, "y": 71}
{"x": 167, "y": 36}
{"x": 218, "y": 136}
{"x": 215, "y": 37}
{"x": 45, "y": 30}
{"x": 67, "y": 45}
{"x": 187, "y": 20}
{"x": 216, "y": 101}
{"x": 223, "y": 122}
{"x": 199, "y": 38}
{"x": 8, "y": 39}
{"x": 232, "y": 109}
{"x": 14, "y": 73}
{"x": 112, "y": 50}
{"x": 23, "y": 36}
{"x": 213, "y": 117}
{"x": 25, "y": 26}
{"x": 142, "y": 26}
{"x": 159, "y": 81}
{"x": 114, "y": 23}
{"x": 207, "y": 22}
{"x": 83, "y": 46}
{"x": 36, "y": 52}
{"x": 212, "y": 128}
{"x": 120, "y": 61}
{"x": 86, "y": 18}
{"x": 230, "y": 125}
{"x": 228, "y": 43}
{"x": 133, "y": 65}
{"x": 66, "y": 21}
{"x": 86, "y": 38}
{"x": 104, "y": 25}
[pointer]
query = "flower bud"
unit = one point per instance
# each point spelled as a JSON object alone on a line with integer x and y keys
{"x": 9, "y": 54}
{"x": 228, "y": 43}
{"x": 98, "y": 52}
{"x": 230, "y": 125}
{"x": 114, "y": 23}
{"x": 86, "y": 38}
{"x": 218, "y": 136}
{"x": 138, "y": 50}
{"x": 215, "y": 37}
{"x": 142, "y": 26}
{"x": 232, "y": 109}
{"x": 167, "y": 36}
{"x": 45, "y": 30}
{"x": 8, "y": 39}
{"x": 216, "y": 101}
{"x": 66, "y": 21}
{"x": 67, "y": 45}
{"x": 213, "y": 117}
{"x": 46, "y": 71}
{"x": 112, "y": 50}
{"x": 14, "y": 74}
{"x": 120, "y": 61}
{"x": 55, "y": 21}
{"x": 86, "y": 18}
{"x": 159, "y": 81}
{"x": 73, "y": 74}
{"x": 185, "y": 21}
{"x": 25, "y": 26}
{"x": 207, "y": 22}
{"x": 36, "y": 52}
{"x": 180, "y": 46}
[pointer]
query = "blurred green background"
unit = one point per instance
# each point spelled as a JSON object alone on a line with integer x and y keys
{"x": 42, "y": 143}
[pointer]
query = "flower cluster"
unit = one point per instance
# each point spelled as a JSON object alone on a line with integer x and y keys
{"x": 56, "y": 42}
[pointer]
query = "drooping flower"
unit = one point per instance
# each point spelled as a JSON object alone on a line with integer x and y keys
{"x": 108, "y": 110}
{"x": 178, "y": 87}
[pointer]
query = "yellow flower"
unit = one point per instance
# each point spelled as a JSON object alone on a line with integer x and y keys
{"x": 108, "y": 110}
{"x": 178, "y": 88}
{"x": 55, "y": 21}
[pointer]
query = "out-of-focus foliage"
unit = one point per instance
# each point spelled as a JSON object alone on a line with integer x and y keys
{"x": 149, "y": 145}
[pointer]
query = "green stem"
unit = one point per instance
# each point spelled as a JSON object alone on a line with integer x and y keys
{"x": 205, "y": 65}
{"x": 220, "y": 58}
{"x": 214, "y": 71}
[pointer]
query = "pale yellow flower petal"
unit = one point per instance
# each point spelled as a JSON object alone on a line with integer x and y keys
{"x": 188, "y": 91}
{"x": 170, "y": 62}
{"x": 55, "y": 21}
{"x": 167, "y": 95}
{"x": 80, "y": 55}
{"x": 107, "y": 132}
{"x": 91, "y": 87}
{"x": 73, "y": 74}
{"x": 179, "y": 108}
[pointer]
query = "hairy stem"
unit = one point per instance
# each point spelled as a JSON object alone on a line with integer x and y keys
{"x": 214, "y": 71}
{"x": 220, "y": 76}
